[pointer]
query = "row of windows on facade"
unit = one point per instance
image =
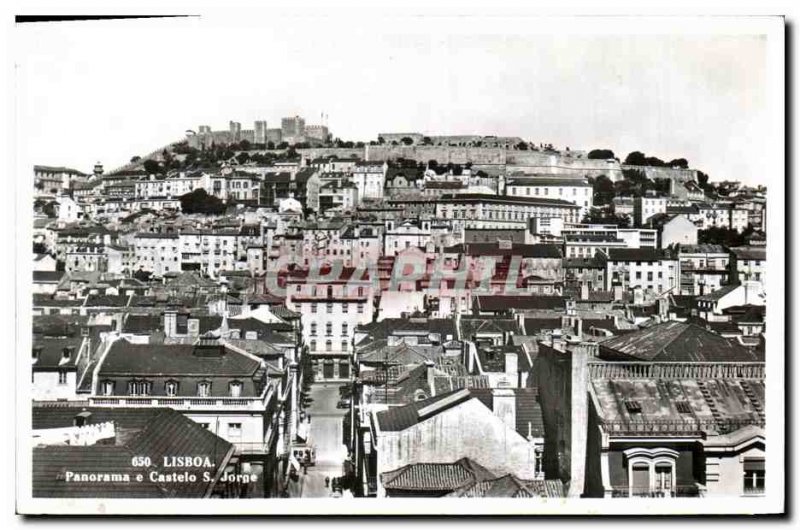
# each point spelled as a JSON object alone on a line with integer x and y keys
{"x": 527, "y": 189}
{"x": 312, "y": 345}
{"x": 657, "y": 478}
{"x": 145, "y": 388}
{"x": 328, "y": 290}
{"x": 345, "y": 308}
{"x": 329, "y": 329}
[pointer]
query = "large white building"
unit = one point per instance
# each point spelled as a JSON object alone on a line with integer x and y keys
{"x": 574, "y": 190}
{"x": 369, "y": 178}
{"x": 330, "y": 310}
{"x": 650, "y": 269}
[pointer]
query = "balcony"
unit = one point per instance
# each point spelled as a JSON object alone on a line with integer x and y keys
{"x": 181, "y": 403}
{"x": 666, "y": 428}
{"x": 679, "y": 491}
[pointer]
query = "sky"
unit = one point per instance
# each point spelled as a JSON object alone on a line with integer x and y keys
{"x": 106, "y": 91}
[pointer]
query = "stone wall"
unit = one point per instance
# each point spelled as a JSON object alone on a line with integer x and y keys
{"x": 442, "y": 154}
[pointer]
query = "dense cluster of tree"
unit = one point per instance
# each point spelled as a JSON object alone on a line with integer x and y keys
{"x": 605, "y": 215}
{"x": 724, "y": 236}
{"x": 637, "y": 158}
{"x": 601, "y": 154}
{"x": 199, "y": 201}
{"x": 633, "y": 183}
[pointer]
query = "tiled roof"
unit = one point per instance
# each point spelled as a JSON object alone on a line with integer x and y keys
{"x": 757, "y": 253}
{"x": 717, "y": 294}
{"x": 509, "y": 486}
{"x": 435, "y": 476}
{"x": 153, "y": 432}
{"x": 710, "y": 401}
{"x": 636, "y": 254}
{"x": 676, "y": 342}
{"x": 522, "y": 250}
{"x": 529, "y": 418}
{"x": 106, "y": 300}
{"x": 470, "y": 326}
{"x": 499, "y": 303}
{"x": 47, "y": 276}
{"x": 50, "y": 351}
{"x": 401, "y": 418}
{"x": 125, "y": 358}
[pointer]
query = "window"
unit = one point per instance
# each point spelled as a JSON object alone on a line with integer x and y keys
{"x": 313, "y": 308}
{"x": 313, "y": 329}
{"x": 329, "y": 308}
{"x": 633, "y": 406}
{"x": 328, "y": 329}
{"x": 312, "y": 345}
{"x": 107, "y": 388}
{"x": 235, "y": 389}
{"x": 171, "y": 388}
{"x": 360, "y": 308}
{"x": 640, "y": 478}
{"x": 345, "y": 307}
{"x": 754, "y": 476}
{"x": 139, "y": 388}
{"x": 328, "y": 345}
{"x": 683, "y": 407}
{"x": 344, "y": 345}
{"x": 344, "y": 328}
{"x": 204, "y": 388}
{"x": 234, "y": 430}
{"x": 663, "y": 478}
{"x": 62, "y": 377}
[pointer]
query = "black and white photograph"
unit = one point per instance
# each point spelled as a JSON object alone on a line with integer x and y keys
{"x": 308, "y": 262}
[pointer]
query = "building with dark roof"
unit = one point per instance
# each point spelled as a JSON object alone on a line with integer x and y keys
{"x": 656, "y": 427}
{"x": 89, "y": 452}
{"x": 487, "y": 435}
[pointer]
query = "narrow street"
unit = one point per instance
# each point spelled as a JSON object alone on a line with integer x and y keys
{"x": 326, "y": 435}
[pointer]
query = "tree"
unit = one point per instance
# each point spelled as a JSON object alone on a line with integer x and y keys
{"x": 270, "y": 145}
{"x": 426, "y": 140}
{"x": 600, "y": 154}
{"x": 679, "y": 162}
{"x": 135, "y": 159}
{"x": 522, "y": 146}
{"x": 244, "y": 145}
{"x": 243, "y": 157}
{"x": 283, "y": 145}
{"x": 199, "y": 201}
{"x": 636, "y": 158}
{"x": 602, "y": 190}
{"x": 728, "y": 237}
{"x": 605, "y": 215}
{"x": 407, "y": 140}
{"x": 151, "y": 166}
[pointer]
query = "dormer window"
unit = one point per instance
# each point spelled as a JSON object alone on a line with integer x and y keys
{"x": 633, "y": 406}
{"x": 107, "y": 388}
{"x": 66, "y": 354}
{"x": 235, "y": 389}
{"x": 204, "y": 389}
{"x": 171, "y": 388}
{"x": 139, "y": 388}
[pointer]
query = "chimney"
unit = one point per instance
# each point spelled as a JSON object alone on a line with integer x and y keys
{"x": 617, "y": 293}
{"x": 170, "y": 322}
{"x": 504, "y": 406}
{"x": 584, "y": 291}
{"x": 429, "y": 366}
{"x": 638, "y": 295}
{"x": 512, "y": 367}
{"x": 662, "y": 308}
{"x": 82, "y": 418}
{"x": 579, "y": 419}
{"x": 578, "y": 327}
